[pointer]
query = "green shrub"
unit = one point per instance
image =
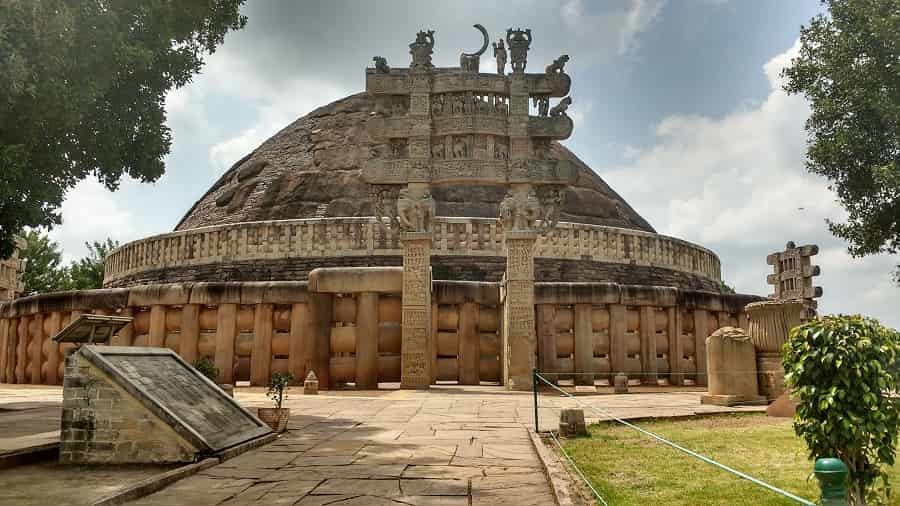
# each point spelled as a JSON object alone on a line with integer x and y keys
{"x": 841, "y": 371}
{"x": 279, "y": 381}
{"x": 207, "y": 368}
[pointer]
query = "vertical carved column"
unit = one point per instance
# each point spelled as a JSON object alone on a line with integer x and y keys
{"x": 54, "y": 325}
{"x": 546, "y": 329}
{"x": 226, "y": 330}
{"x": 37, "y": 345}
{"x": 261, "y": 357}
{"x": 317, "y": 345}
{"x": 469, "y": 351}
{"x": 157, "y": 337}
{"x": 190, "y": 332}
{"x": 415, "y": 352}
{"x": 367, "y": 341}
{"x": 584, "y": 345}
{"x": 676, "y": 353}
{"x": 519, "y": 339}
{"x": 617, "y": 328}
{"x": 297, "y": 357}
{"x": 701, "y": 332}
{"x": 648, "y": 345}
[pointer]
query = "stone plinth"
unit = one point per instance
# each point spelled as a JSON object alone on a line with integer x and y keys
{"x": 769, "y": 326}
{"x": 416, "y": 318}
{"x": 620, "y": 383}
{"x": 571, "y": 423}
{"x": 519, "y": 338}
{"x": 731, "y": 363}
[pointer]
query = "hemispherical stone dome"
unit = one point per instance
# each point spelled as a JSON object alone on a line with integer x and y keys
{"x": 312, "y": 169}
{"x": 299, "y": 202}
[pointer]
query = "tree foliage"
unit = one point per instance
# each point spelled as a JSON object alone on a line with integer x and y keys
{"x": 82, "y": 91}
{"x": 842, "y": 371}
{"x": 87, "y": 273}
{"x": 44, "y": 269}
{"x": 849, "y": 69}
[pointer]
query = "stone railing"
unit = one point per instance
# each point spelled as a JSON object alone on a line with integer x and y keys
{"x": 345, "y": 323}
{"x": 362, "y": 237}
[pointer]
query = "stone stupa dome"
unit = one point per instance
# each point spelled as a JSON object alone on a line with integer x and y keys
{"x": 299, "y": 201}
{"x": 312, "y": 169}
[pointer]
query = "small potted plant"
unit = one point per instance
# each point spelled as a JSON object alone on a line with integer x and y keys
{"x": 207, "y": 368}
{"x": 277, "y": 417}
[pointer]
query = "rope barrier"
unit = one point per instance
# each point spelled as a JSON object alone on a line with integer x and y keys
{"x": 578, "y": 470}
{"x": 678, "y": 447}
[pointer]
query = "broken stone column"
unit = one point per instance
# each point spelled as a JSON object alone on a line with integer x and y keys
{"x": 620, "y": 383}
{"x": 770, "y": 324}
{"x": 731, "y": 366}
{"x": 311, "y": 384}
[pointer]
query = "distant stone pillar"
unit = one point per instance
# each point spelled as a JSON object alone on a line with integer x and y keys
{"x": 770, "y": 324}
{"x": 415, "y": 361}
{"x": 519, "y": 339}
{"x": 367, "y": 341}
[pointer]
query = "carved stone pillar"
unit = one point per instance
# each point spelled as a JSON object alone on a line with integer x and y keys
{"x": 415, "y": 365}
{"x": 770, "y": 324}
{"x": 519, "y": 339}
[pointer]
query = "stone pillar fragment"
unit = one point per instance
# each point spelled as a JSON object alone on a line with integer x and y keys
{"x": 415, "y": 362}
{"x": 732, "y": 368}
{"x": 769, "y": 326}
{"x": 519, "y": 339}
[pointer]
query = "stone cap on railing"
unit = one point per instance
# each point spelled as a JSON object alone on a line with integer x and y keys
{"x": 362, "y": 236}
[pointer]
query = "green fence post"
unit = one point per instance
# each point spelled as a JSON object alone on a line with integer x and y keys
{"x": 832, "y": 475}
{"x": 534, "y": 387}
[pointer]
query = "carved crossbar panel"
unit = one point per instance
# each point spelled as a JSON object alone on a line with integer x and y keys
{"x": 458, "y": 125}
{"x": 794, "y": 272}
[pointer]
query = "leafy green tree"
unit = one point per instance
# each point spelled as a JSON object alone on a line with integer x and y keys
{"x": 849, "y": 69}
{"x": 82, "y": 91}
{"x": 44, "y": 270}
{"x": 841, "y": 369}
{"x": 87, "y": 273}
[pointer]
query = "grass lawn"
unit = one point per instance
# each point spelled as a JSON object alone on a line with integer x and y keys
{"x": 629, "y": 468}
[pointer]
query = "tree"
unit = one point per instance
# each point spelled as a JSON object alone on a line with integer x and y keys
{"x": 849, "y": 69}
{"x": 842, "y": 371}
{"x": 87, "y": 273}
{"x": 82, "y": 89}
{"x": 44, "y": 271}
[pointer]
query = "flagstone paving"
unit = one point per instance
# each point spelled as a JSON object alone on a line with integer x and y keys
{"x": 445, "y": 446}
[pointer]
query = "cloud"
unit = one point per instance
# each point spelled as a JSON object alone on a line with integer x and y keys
{"x": 91, "y": 213}
{"x": 738, "y": 185}
{"x": 628, "y": 24}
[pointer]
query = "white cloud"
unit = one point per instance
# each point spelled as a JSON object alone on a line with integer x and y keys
{"x": 91, "y": 213}
{"x": 738, "y": 185}
{"x": 628, "y": 23}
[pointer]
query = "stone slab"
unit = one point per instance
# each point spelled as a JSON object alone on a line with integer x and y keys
{"x": 194, "y": 406}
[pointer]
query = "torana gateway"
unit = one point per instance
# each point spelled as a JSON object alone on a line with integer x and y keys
{"x": 430, "y": 229}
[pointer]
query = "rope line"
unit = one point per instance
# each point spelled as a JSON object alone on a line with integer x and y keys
{"x": 578, "y": 470}
{"x": 692, "y": 453}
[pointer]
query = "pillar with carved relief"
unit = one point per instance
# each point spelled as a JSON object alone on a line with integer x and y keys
{"x": 519, "y": 337}
{"x": 415, "y": 362}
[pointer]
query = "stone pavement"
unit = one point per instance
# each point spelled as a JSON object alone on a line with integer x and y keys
{"x": 446, "y": 446}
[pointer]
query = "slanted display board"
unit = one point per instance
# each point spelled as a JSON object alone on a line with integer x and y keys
{"x": 195, "y": 407}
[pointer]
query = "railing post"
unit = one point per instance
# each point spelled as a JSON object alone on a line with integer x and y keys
{"x": 534, "y": 388}
{"x": 832, "y": 475}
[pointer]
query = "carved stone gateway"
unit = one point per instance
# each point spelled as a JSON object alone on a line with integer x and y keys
{"x": 460, "y": 126}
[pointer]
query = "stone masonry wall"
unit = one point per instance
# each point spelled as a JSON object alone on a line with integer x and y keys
{"x": 103, "y": 424}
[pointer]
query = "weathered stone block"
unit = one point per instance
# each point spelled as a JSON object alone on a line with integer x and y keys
{"x": 731, "y": 368}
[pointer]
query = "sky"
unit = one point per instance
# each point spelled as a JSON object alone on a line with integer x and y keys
{"x": 677, "y": 105}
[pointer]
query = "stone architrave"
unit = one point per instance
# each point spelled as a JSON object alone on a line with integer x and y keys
{"x": 519, "y": 337}
{"x": 731, "y": 368}
{"x": 415, "y": 359}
